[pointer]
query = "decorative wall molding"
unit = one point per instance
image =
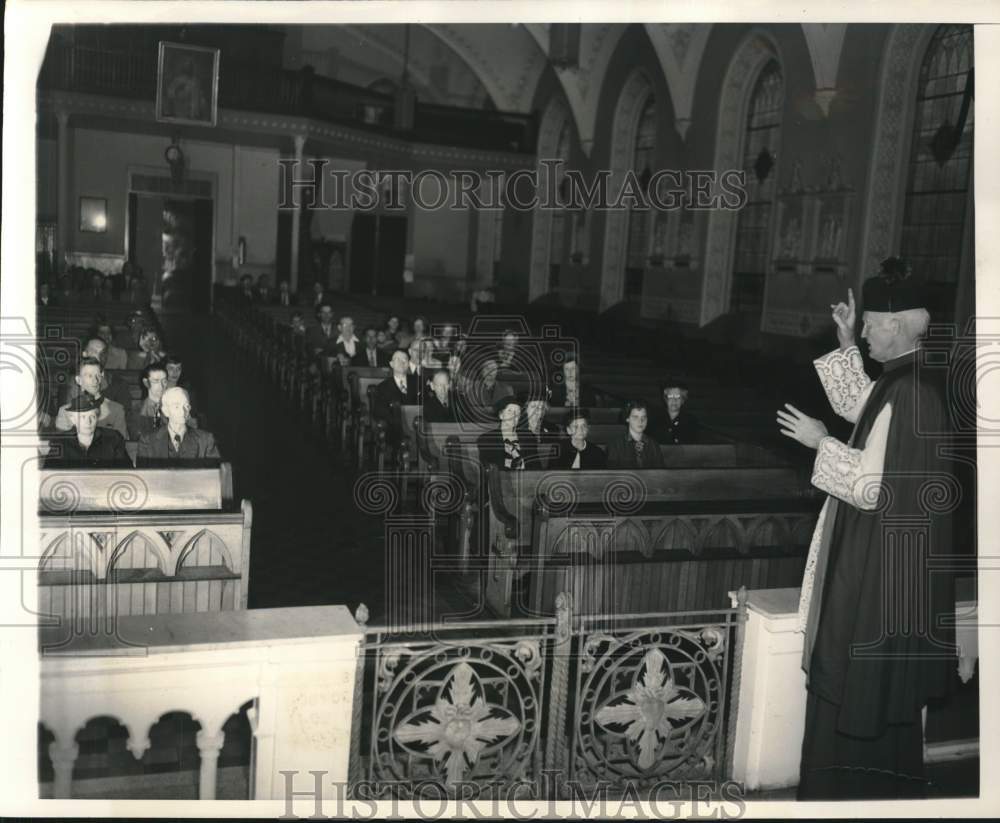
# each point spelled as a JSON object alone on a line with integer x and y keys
{"x": 680, "y": 47}
{"x": 551, "y": 126}
{"x": 754, "y": 52}
{"x": 826, "y": 43}
{"x": 631, "y": 101}
{"x": 905, "y": 48}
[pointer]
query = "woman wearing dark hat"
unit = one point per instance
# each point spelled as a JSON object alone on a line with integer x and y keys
{"x": 87, "y": 445}
{"x": 574, "y": 451}
{"x": 679, "y": 426}
{"x": 503, "y": 446}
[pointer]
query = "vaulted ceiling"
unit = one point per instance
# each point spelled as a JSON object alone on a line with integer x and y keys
{"x": 499, "y": 65}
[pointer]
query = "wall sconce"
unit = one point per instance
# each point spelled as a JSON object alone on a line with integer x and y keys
{"x": 94, "y": 214}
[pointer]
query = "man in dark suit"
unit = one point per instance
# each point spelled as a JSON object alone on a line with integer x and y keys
{"x": 284, "y": 296}
{"x": 176, "y": 441}
{"x": 395, "y": 391}
{"x": 372, "y": 355}
{"x": 246, "y": 293}
{"x": 87, "y": 445}
{"x": 574, "y": 452}
{"x": 321, "y": 338}
{"x": 265, "y": 296}
{"x": 636, "y": 449}
{"x": 439, "y": 402}
{"x": 45, "y": 297}
{"x": 504, "y": 446}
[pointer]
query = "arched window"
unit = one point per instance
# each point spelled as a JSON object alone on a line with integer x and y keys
{"x": 643, "y": 161}
{"x": 557, "y": 232}
{"x": 940, "y": 167}
{"x": 760, "y": 152}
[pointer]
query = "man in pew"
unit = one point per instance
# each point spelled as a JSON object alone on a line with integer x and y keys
{"x": 150, "y": 350}
{"x": 88, "y": 379}
{"x": 317, "y": 299}
{"x": 88, "y": 444}
{"x": 574, "y": 452}
{"x": 284, "y": 297}
{"x": 636, "y": 449}
{"x": 45, "y": 297}
{"x": 246, "y": 294}
{"x": 678, "y": 426}
{"x": 117, "y": 357}
{"x": 487, "y": 390}
{"x": 113, "y": 386}
{"x": 146, "y": 415}
{"x": 398, "y": 389}
{"x": 175, "y": 377}
{"x": 567, "y": 389}
{"x": 439, "y": 402}
{"x": 374, "y": 356}
{"x": 177, "y": 441}
{"x": 507, "y": 351}
{"x": 321, "y": 338}
{"x": 504, "y": 446}
{"x": 264, "y": 295}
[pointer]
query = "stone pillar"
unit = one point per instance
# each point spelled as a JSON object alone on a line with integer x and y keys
{"x": 63, "y": 756}
{"x": 63, "y": 217}
{"x": 293, "y": 275}
{"x": 209, "y": 746}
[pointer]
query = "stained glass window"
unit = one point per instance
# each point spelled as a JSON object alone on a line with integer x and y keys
{"x": 760, "y": 154}
{"x": 940, "y": 158}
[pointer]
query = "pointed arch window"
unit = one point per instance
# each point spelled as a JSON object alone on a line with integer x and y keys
{"x": 643, "y": 161}
{"x": 761, "y": 142}
{"x": 940, "y": 166}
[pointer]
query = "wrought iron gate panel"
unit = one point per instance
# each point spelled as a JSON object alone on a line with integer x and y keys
{"x": 650, "y": 700}
{"x": 457, "y": 707}
{"x": 603, "y": 700}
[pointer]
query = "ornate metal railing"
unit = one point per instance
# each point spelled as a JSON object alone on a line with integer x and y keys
{"x": 548, "y": 707}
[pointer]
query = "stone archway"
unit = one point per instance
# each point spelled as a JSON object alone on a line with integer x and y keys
{"x": 631, "y": 101}
{"x": 556, "y": 114}
{"x": 750, "y": 58}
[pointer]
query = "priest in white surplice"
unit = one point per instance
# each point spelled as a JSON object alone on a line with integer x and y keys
{"x": 874, "y": 651}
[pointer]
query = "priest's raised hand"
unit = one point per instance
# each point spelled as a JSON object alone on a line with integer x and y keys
{"x": 844, "y": 315}
{"x": 807, "y": 430}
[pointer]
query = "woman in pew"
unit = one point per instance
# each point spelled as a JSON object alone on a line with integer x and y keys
{"x": 574, "y": 452}
{"x": 636, "y": 449}
{"x": 503, "y": 445}
{"x": 87, "y": 445}
{"x": 678, "y": 426}
{"x": 568, "y": 390}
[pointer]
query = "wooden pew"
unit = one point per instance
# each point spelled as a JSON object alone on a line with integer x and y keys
{"x": 358, "y": 424}
{"x": 150, "y": 541}
{"x": 538, "y": 514}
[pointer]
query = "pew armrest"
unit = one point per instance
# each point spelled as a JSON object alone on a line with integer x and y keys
{"x": 502, "y": 513}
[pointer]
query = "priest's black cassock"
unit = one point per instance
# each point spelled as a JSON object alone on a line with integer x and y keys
{"x": 878, "y": 581}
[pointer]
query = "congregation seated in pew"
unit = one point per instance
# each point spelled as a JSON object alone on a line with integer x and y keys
{"x": 568, "y": 389}
{"x": 398, "y": 389}
{"x": 86, "y": 444}
{"x": 509, "y": 446}
{"x": 177, "y": 441}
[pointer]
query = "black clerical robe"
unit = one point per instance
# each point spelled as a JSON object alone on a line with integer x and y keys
{"x": 874, "y": 651}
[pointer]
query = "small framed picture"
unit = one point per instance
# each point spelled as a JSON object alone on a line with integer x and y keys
{"x": 187, "y": 84}
{"x": 94, "y": 214}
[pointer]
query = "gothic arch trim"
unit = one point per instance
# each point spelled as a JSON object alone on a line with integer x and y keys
{"x": 756, "y": 49}
{"x": 633, "y": 96}
{"x": 556, "y": 114}
{"x": 906, "y": 47}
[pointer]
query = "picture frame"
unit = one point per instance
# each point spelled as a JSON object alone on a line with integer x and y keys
{"x": 94, "y": 215}
{"x": 187, "y": 84}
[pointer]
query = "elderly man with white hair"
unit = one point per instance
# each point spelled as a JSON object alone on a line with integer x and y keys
{"x": 877, "y": 590}
{"x": 176, "y": 440}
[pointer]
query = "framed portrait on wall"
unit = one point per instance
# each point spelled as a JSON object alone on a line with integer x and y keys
{"x": 187, "y": 84}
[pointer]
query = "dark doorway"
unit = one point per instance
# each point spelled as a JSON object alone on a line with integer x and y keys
{"x": 378, "y": 254}
{"x": 171, "y": 240}
{"x": 363, "y": 254}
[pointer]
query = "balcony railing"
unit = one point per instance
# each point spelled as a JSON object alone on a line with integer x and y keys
{"x": 256, "y": 87}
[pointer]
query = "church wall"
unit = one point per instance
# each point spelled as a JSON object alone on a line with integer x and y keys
{"x": 101, "y": 164}
{"x": 440, "y": 250}
{"x": 47, "y": 180}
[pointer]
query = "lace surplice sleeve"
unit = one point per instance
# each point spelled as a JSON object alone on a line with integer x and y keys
{"x": 854, "y": 475}
{"x": 845, "y": 382}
